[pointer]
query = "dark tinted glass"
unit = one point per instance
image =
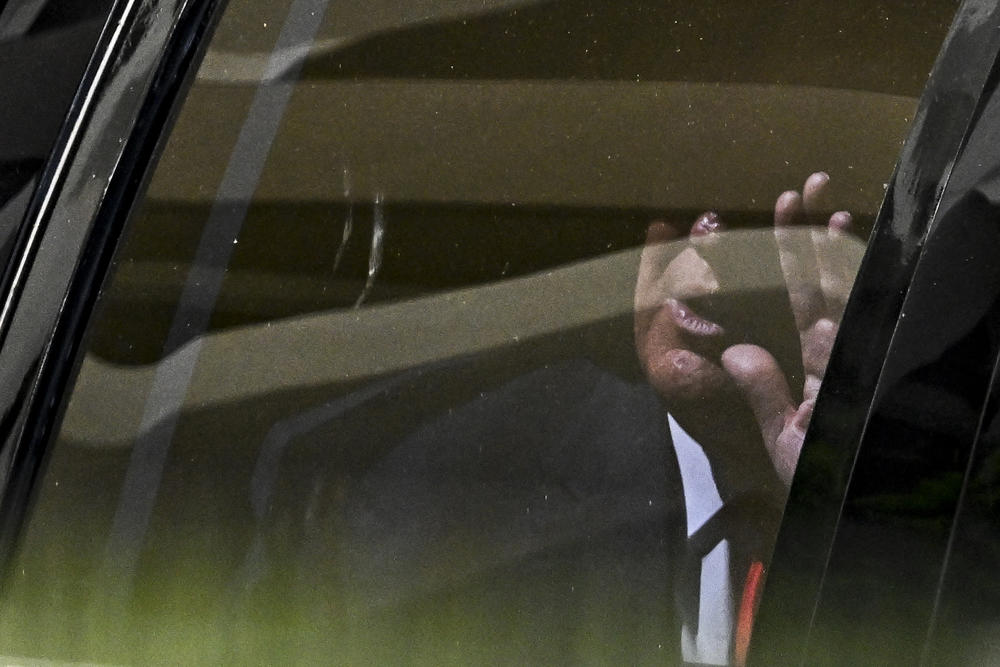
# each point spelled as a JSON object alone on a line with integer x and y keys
{"x": 44, "y": 48}
{"x": 363, "y": 384}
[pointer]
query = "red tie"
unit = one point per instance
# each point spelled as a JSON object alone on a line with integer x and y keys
{"x": 748, "y": 609}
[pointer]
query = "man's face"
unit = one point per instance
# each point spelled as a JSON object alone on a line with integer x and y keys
{"x": 678, "y": 346}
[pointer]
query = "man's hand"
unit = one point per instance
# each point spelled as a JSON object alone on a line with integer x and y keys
{"x": 733, "y": 394}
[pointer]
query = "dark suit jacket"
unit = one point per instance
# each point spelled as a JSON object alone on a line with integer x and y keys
{"x": 540, "y": 519}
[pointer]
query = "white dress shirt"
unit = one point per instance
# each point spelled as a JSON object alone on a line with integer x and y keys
{"x": 712, "y": 643}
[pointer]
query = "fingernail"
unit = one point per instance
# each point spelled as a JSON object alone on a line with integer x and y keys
{"x": 819, "y": 177}
{"x": 787, "y": 208}
{"x": 707, "y": 223}
{"x": 804, "y": 414}
{"x": 788, "y": 197}
{"x": 841, "y": 221}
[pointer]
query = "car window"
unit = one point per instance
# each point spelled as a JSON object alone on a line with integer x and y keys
{"x": 420, "y": 344}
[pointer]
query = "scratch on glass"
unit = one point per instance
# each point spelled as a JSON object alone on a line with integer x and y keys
{"x": 348, "y": 221}
{"x": 375, "y": 256}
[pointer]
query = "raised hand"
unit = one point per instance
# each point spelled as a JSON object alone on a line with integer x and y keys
{"x": 727, "y": 388}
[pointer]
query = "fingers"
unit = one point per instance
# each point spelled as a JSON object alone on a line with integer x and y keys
{"x": 785, "y": 454}
{"x": 660, "y": 232}
{"x": 655, "y": 253}
{"x": 807, "y": 208}
{"x": 763, "y": 385}
{"x": 788, "y": 209}
{"x": 841, "y": 222}
{"x": 811, "y": 206}
{"x": 797, "y": 253}
{"x": 818, "y": 272}
{"x": 666, "y": 330}
{"x": 839, "y": 256}
{"x": 817, "y": 343}
{"x": 683, "y": 376}
{"x": 815, "y": 198}
{"x": 669, "y": 269}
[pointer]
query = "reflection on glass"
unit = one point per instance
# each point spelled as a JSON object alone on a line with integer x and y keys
{"x": 394, "y": 366}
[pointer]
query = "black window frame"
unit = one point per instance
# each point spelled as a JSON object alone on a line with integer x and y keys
{"x": 143, "y": 62}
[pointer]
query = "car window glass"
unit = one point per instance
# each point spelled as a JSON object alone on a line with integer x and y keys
{"x": 416, "y": 347}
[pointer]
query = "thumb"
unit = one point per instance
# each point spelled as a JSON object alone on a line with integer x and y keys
{"x": 763, "y": 385}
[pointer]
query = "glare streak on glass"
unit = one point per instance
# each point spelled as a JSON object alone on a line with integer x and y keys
{"x": 375, "y": 256}
{"x": 348, "y": 221}
{"x": 149, "y": 454}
